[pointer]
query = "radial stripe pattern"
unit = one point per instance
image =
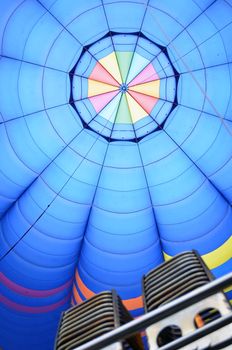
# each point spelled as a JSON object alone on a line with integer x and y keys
{"x": 126, "y": 64}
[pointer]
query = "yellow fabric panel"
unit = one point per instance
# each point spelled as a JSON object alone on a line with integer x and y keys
{"x": 136, "y": 111}
{"x": 98, "y": 88}
{"x": 166, "y": 256}
{"x": 220, "y": 255}
{"x": 110, "y": 63}
{"x": 152, "y": 88}
{"x": 217, "y": 257}
{"x": 229, "y": 289}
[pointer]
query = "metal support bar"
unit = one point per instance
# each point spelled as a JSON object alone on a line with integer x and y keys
{"x": 199, "y": 333}
{"x": 159, "y": 314}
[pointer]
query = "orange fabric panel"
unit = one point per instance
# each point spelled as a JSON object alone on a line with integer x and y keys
{"x": 131, "y": 304}
{"x": 76, "y": 295}
{"x": 84, "y": 290}
{"x": 134, "y": 303}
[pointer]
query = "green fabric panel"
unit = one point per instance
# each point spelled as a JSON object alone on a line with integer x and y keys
{"x": 123, "y": 115}
{"x": 124, "y": 62}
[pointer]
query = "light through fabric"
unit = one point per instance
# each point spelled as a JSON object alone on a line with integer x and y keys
{"x": 117, "y": 90}
{"x": 116, "y": 151}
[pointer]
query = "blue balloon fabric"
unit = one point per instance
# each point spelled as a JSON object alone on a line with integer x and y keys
{"x": 116, "y": 151}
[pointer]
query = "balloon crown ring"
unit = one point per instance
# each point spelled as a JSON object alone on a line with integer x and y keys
{"x": 124, "y": 86}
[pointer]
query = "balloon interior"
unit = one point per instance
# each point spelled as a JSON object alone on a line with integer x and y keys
{"x": 115, "y": 153}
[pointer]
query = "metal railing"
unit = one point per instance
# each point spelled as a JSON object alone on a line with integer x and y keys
{"x": 164, "y": 311}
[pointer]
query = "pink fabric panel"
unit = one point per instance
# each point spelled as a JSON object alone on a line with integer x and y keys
{"x": 100, "y": 101}
{"x": 147, "y": 74}
{"x": 33, "y": 309}
{"x": 32, "y": 292}
{"x": 99, "y": 73}
{"x": 145, "y": 101}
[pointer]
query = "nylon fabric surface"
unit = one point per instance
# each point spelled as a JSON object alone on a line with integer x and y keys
{"x": 116, "y": 151}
